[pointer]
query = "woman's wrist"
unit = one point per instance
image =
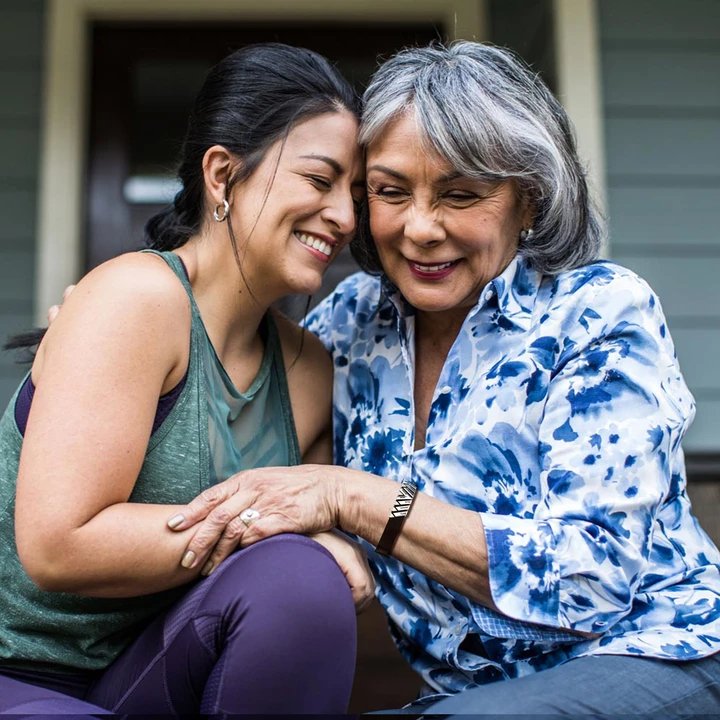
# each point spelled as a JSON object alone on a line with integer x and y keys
{"x": 362, "y": 502}
{"x": 337, "y": 493}
{"x": 358, "y": 502}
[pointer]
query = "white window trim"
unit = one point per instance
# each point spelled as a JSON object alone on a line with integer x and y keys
{"x": 579, "y": 82}
{"x": 64, "y": 124}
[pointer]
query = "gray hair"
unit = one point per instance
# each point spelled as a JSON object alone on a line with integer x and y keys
{"x": 484, "y": 111}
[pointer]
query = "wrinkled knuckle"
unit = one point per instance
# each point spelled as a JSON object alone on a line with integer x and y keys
{"x": 233, "y": 529}
{"x": 204, "y": 540}
{"x": 208, "y": 496}
{"x": 221, "y": 516}
{"x": 263, "y": 486}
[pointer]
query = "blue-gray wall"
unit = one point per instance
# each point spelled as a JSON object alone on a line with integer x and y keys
{"x": 21, "y": 61}
{"x": 661, "y": 85}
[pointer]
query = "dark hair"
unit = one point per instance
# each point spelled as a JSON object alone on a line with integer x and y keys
{"x": 249, "y": 101}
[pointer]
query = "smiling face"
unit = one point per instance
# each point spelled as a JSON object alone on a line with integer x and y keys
{"x": 296, "y": 211}
{"x": 441, "y": 237}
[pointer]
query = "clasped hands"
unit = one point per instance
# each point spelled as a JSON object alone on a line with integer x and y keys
{"x": 297, "y": 499}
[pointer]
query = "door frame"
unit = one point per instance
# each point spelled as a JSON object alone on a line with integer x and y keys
{"x": 579, "y": 84}
{"x": 66, "y": 81}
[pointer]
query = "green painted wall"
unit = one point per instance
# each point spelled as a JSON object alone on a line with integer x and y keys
{"x": 21, "y": 62}
{"x": 661, "y": 88}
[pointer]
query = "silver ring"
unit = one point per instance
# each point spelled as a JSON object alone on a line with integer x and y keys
{"x": 249, "y": 516}
{"x": 225, "y": 210}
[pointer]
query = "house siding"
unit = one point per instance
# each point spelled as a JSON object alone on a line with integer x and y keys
{"x": 660, "y": 64}
{"x": 21, "y": 67}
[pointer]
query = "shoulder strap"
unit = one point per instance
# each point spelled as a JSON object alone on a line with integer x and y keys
{"x": 178, "y": 267}
{"x": 281, "y": 384}
{"x": 195, "y": 359}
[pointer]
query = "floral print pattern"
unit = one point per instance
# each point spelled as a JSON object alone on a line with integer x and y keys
{"x": 558, "y": 418}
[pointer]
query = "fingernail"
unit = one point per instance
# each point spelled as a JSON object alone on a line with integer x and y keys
{"x": 208, "y": 567}
{"x": 175, "y": 520}
{"x": 188, "y": 559}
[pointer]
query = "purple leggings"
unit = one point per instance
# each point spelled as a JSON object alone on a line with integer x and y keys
{"x": 272, "y": 630}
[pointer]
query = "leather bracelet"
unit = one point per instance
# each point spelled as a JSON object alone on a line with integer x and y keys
{"x": 397, "y": 517}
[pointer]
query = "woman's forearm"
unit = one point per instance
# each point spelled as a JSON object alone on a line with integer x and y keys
{"x": 444, "y": 542}
{"x": 125, "y": 550}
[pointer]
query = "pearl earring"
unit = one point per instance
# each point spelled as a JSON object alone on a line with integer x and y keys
{"x": 526, "y": 235}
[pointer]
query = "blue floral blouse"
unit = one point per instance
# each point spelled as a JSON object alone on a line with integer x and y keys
{"x": 558, "y": 418}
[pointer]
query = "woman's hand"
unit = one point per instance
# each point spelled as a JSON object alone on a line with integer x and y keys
{"x": 353, "y": 562}
{"x": 300, "y": 499}
{"x": 53, "y": 310}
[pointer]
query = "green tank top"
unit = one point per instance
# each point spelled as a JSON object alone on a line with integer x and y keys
{"x": 212, "y": 431}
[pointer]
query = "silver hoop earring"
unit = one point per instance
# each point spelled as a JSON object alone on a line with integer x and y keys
{"x": 225, "y": 210}
{"x": 526, "y": 235}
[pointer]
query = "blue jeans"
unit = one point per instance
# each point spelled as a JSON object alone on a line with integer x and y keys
{"x": 272, "y": 630}
{"x": 598, "y": 685}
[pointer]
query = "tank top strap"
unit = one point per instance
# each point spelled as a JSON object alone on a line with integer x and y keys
{"x": 281, "y": 384}
{"x": 178, "y": 267}
{"x": 194, "y": 359}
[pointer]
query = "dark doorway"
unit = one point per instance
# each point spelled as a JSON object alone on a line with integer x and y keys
{"x": 143, "y": 82}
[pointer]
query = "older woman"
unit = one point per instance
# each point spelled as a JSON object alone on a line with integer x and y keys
{"x": 517, "y": 407}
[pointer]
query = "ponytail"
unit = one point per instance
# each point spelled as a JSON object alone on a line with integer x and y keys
{"x": 172, "y": 227}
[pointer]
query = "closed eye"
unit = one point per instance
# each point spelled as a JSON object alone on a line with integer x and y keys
{"x": 389, "y": 193}
{"x": 320, "y": 182}
{"x": 460, "y": 198}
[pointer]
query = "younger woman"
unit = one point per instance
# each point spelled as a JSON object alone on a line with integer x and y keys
{"x": 165, "y": 373}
